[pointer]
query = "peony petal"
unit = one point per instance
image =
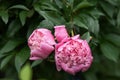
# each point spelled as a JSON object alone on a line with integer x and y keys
{"x": 35, "y": 58}
{"x": 41, "y": 53}
{"x": 76, "y": 37}
{"x": 60, "y": 32}
{"x": 85, "y": 43}
{"x": 35, "y": 54}
{"x": 58, "y": 66}
{"x": 46, "y": 49}
{"x": 41, "y": 43}
{"x": 69, "y": 70}
{"x": 48, "y": 37}
{"x": 62, "y": 42}
{"x": 73, "y": 55}
{"x": 44, "y": 31}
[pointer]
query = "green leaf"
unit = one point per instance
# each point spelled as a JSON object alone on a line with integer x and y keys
{"x": 87, "y": 22}
{"x": 52, "y": 16}
{"x": 86, "y": 36}
{"x": 33, "y": 24}
{"x": 30, "y": 13}
{"x": 79, "y": 22}
{"x": 59, "y": 3}
{"x": 30, "y": 30}
{"x": 10, "y": 45}
{"x": 19, "y": 7}
{"x": 82, "y": 5}
{"x": 2, "y": 55}
{"x": 37, "y": 7}
{"x": 49, "y": 6}
{"x": 118, "y": 19}
{"x": 93, "y": 26}
{"x": 4, "y": 15}
{"x": 95, "y": 13}
{"x": 110, "y": 51}
{"x": 90, "y": 76}
{"x": 113, "y": 2}
{"x": 23, "y": 16}
{"x": 26, "y": 72}
{"x": 46, "y": 24}
{"x": 13, "y": 27}
{"x": 35, "y": 63}
{"x": 5, "y": 61}
{"x": 108, "y": 8}
{"x": 46, "y": 6}
{"x": 21, "y": 58}
{"x": 114, "y": 38}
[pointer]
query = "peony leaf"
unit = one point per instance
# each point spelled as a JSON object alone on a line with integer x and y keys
{"x": 19, "y": 6}
{"x": 35, "y": 63}
{"x": 13, "y": 27}
{"x": 81, "y": 5}
{"x": 21, "y": 58}
{"x": 10, "y": 45}
{"x": 4, "y": 15}
{"x": 110, "y": 51}
{"x": 23, "y": 16}
{"x": 5, "y": 61}
{"x": 114, "y": 38}
{"x": 86, "y": 36}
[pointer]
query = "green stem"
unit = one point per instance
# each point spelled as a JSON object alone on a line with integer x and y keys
{"x": 72, "y": 32}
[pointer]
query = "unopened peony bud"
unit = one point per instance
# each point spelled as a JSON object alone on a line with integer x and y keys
{"x": 41, "y": 43}
{"x": 60, "y": 33}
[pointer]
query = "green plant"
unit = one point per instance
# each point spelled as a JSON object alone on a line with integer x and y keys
{"x": 97, "y": 21}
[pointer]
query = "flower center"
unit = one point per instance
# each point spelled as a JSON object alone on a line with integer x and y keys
{"x": 72, "y": 54}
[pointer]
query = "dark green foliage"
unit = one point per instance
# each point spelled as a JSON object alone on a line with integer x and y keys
{"x": 97, "y": 21}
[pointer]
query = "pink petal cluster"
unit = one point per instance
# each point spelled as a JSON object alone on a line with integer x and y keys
{"x": 41, "y": 43}
{"x": 60, "y": 33}
{"x": 72, "y": 54}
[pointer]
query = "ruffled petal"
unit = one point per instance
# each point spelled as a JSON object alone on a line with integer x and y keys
{"x": 60, "y": 33}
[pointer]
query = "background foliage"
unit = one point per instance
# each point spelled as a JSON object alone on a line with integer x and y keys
{"x": 97, "y": 21}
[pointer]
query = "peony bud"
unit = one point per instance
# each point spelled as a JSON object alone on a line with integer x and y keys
{"x": 60, "y": 33}
{"x": 41, "y": 43}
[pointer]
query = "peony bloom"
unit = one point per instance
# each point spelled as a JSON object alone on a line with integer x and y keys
{"x": 73, "y": 55}
{"x": 41, "y": 43}
{"x": 60, "y": 33}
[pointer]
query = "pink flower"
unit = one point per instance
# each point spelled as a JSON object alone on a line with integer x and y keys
{"x": 60, "y": 33}
{"x": 73, "y": 55}
{"x": 41, "y": 43}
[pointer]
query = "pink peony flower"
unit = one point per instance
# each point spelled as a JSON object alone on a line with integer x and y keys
{"x": 73, "y": 55}
{"x": 41, "y": 43}
{"x": 60, "y": 33}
